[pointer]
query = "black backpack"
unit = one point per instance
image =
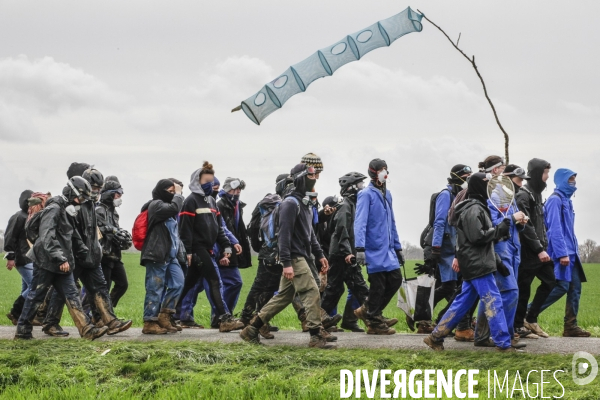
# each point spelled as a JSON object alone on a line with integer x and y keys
{"x": 253, "y": 230}
{"x": 427, "y": 234}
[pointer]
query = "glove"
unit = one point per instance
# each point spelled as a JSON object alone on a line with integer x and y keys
{"x": 361, "y": 258}
{"x": 400, "y": 257}
{"x": 503, "y": 229}
{"x": 427, "y": 268}
{"x": 436, "y": 254}
{"x": 502, "y": 269}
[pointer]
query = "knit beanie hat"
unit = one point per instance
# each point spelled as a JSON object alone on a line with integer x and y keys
{"x": 313, "y": 160}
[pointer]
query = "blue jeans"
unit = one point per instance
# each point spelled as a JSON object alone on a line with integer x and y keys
{"x": 484, "y": 287}
{"x": 159, "y": 276}
{"x": 573, "y": 291}
{"x": 26, "y": 272}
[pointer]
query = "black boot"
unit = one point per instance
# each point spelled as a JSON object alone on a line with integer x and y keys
{"x": 349, "y": 320}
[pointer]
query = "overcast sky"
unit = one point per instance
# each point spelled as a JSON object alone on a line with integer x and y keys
{"x": 144, "y": 89}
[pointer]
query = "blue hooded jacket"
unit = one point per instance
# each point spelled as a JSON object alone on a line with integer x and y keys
{"x": 509, "y": 250}
{"x": 560, "y": 224}
{"x": 441, "y": 227}
{"x": 375, "y": 230}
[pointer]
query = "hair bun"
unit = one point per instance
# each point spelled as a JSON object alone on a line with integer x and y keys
{"x": 481, "y": 164}
{"x": 207, "y": 165}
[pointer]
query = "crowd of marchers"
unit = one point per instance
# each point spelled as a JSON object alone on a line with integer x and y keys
{"x": 68, "y": 251}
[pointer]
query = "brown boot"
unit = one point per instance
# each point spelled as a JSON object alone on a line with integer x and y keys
{"x": 575, "y": 331}
{"x": 437, "y": 346}
{"x": 14, "y": 320}
{"x": 94, "y": 332}
{"x": 228, "y": 324}
{"x": 176, "y": 324}
{"x": 424, "y": 328}
{"x": 319, "y": 342}
{"x": 164, "y": 320}
{"x": 377, "y": 326}
{"x": 56, "y": 331}
{"x": 265, "y": 331}
{"x": 328, "y": 336}
{"x": 118, "y": 325}
{"x": 390, "y": 321}
{"x": 328, "y": 321}
{"x": 250, "y": 334}
{"x": 361, "y": 313}
{"x": 153, "y": 328}
{"x": 467, "y": 335}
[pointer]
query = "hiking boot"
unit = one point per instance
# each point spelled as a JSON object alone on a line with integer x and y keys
{"x": 361, "y": 313}
{"x": 117, "y": 325}
{"x": 95, "y": 332}
{"x": 485, "y": 343}
{"x": 265, "y": 331}
{"x": 328, "y": 336}
{"x": 274, "y": 328}
{"x": 153, "y": 328}
{"x": 303, "y": 322}
{"x": 191, "y": 325}
{"x": 228, "y": 324}
{"x": 575, "y": 331}
{"x": 245, "y": 321}
{"x": 410, "y": 323}
{"x": 535, "y": 328}
{"x": 37, "y": 321}
{"x": 12, "y": 318}
{"x": 467, "y": 335}
{"x": 319, "y": 342}
{"x": 390, "y": 321}
{"x": 250, "y": 334}
{"x": 352, "y": 327}
{"x": 164, "y": 320}
{"x": 425, "y": 328}
{"x": 98, "y": 323}
{"x": 437, "y": 346}
{"x": 517, "y": 345}
{"x": 525, "y": 333}
{"x": 506, "y": 350}
{"x": 377, "y": 326}
{"x": 56, "y": 331}
{"x": 176, "y": 324}
{"x": 328, "y": 321}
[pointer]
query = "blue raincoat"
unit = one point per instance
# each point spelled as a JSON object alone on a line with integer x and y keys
{"x": 444, "y": 234}
{"x": 375, "y": 230}
{"x": 560, "y": 224}
{"x": 508, "y": 250}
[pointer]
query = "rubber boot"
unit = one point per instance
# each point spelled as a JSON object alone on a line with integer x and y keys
{"x": 349, "y": 320}
{"x": 164, "y": 320}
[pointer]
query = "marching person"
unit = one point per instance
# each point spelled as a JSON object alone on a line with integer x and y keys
{"x": 476, "y": 261}
{"x": 53, "y": 255}
{"x": 378, "y": 247}
{"x": 563, "y": 249}
{"x": 296, "y": 242}
{"x": 16, "y": 248}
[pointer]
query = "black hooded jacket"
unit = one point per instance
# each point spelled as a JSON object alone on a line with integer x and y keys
{"x": 200, "y": 225}
{"x": 243, "y": 260}
{"x": 87, "y": 227}
{"x": 58, "y": 240}
{"x": 15, "y": 238}
{"x": 157, "y": 245}
{"x": 529, "y": 200}
{"x": 342, "y": 229}
{"x": 108, "y": 223}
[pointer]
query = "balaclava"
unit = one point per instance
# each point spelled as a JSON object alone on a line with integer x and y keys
{"x": 535, "y": 170}
{"x": 561, "y": 179}
{"x": 458, "y": 183}
{"x": 160, "y": 191}
{"x": 25, "y": 195}
{"x": 477, "y": 188}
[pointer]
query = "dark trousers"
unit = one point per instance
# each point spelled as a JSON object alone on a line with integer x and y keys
{"x": 263, "y": 288}
{"x": 339, "y": 273}
{"x": 114, "y": 272}
{"x": 65, "y": 287}
{"x": 545, "y": 273}
{"x": 444, "y": 291}
{"x": 95, "y": 286}
{"x": 383, "y": 286}
{"x": 17, "y": 307}
{"x": 203, "y": 268}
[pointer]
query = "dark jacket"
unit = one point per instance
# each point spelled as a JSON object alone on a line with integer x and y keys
{"x": 296, "y": 234}
{"x": 158, "y": 240}
{"x": 324, "y": 231}
{"x": 58, "y": 240}
{"x": 15, "y": 238}
{"x": 243, "y": 260}
{"x": 533, "y": 237}
{"x": 342, "y": 229}
{"x": 200, "y": 224}
{"x": 475, "y": 244}
{"x": 108, "y": 223}
{"x": 87, "y": 227}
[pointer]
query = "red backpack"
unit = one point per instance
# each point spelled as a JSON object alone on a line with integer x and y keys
{"x": 140, "y": 230}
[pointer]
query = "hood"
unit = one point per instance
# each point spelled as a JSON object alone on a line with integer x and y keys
{"x": 477, "y": 188}
{"x": 60, "y": 200}
{"x": 298, "y": 173}
{"x": 535, "y": 170}
{"x": 195, "y": 183}
{"x": 561, "y": 180}
{"x": 23, "y": 205}
{"x": 465, "y": 205}
{"x": 77, "y": 169}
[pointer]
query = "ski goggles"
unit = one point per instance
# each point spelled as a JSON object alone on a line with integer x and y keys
{"x": 238, "y": 184}
{"x": 519, "y": 172}
{"x": 465, "y": 170}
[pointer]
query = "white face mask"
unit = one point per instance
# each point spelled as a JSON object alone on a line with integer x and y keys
{"x": 72, "y": 210}
{"x": 464, "y": 185}
{"x": 117, "y": 202}
{"x": 382, "y": 176}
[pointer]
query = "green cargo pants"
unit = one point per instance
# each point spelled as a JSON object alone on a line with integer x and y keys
{"x": 305, "y": 286}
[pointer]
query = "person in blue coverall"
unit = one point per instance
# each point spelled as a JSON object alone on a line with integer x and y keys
{"x": 564, "y": 250}
{"x": 508, "y": 254}
{"x": 477, "y": 263}
{"x": 378, "y": 246}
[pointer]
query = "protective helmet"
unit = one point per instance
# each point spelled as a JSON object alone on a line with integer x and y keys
{"x": 349, "y": 181}
{"x": 123, "y": 239}
{"x": 79, "y": 188}
{"x": 94, "y": 177}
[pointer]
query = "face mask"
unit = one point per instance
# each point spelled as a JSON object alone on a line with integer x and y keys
{"x": 72, "y": 210}
{"x": 573, "y": 184}
{"x": 309, "y": 184}
{"x": 464, "y": 185}
{"x": 207, "y": 188}
{"x": 95, "y": 195}
{"x": 117, "y": 202}
{"x": 360, "y": 185}
{"x": 382, "y": 176}
{"x": 236, "y": 197}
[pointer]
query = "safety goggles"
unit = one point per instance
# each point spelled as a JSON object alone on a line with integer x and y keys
{"x": 465, "y": 170}
{"x": 82, "y": 198}
{"x": 519, "y": 172}
{"x": 238, "y": 184}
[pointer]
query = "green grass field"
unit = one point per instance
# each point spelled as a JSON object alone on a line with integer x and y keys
{"x": 77, "y": 369}
{"x": 131, "y": 305}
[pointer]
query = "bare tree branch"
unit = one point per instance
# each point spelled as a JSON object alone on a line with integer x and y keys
{"x": 472, "y": 61}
